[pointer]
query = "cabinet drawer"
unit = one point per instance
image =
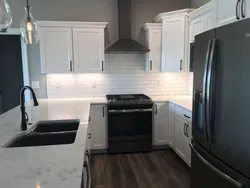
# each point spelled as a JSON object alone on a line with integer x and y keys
{"x": 183, "y": 113}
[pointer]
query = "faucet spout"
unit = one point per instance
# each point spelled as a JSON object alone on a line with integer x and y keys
{"x": 22, "y": 106}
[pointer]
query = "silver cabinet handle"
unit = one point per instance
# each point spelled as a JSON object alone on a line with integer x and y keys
{"x": 156, "y": 109}
{"x": 131, "y": 111}
{"x": 217, "y": 171}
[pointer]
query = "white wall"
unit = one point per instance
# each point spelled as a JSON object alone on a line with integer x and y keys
{"x": 198, "y": 3}
{"x": 124, "y": 74}
{"x": 87, "y": 10}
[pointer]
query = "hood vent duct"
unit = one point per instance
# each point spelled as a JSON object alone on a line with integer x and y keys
{"x": 125, "y": 44}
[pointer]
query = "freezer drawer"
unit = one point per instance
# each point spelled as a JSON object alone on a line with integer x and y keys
{"x": 208, "y": 172}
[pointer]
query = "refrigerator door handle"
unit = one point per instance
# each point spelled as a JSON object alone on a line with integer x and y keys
{"x": 217, "y": 171}
{"x": 205, "y": 90}
{"x": 210, "y": 90}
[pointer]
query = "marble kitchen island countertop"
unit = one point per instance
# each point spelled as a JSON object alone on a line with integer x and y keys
{"x": 58, "y": 166}
{"x": 185, "y": 101}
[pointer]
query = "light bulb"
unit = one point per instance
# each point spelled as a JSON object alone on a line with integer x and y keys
{"x": 29, "y": 26}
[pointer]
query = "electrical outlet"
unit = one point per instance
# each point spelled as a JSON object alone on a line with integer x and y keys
{"x": 35, "y": 84}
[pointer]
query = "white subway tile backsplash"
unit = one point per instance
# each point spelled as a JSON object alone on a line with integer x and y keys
{"x": 124, "y": 73}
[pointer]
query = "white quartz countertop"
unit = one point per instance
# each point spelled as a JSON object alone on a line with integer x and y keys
{"x": 46, "y": 166}
{"x": 185, "y": 101}
{"x": 52, "y": 166}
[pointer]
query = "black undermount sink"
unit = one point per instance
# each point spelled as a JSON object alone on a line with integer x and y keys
{"x": 47, "y": 133}
{"x": 56, "y": 126}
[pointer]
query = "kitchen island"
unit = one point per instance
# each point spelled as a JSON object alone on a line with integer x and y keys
{"x": 57, "y": 166}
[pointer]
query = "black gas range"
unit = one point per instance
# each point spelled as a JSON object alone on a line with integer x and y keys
{"x": 129, "y": 99}
{"x": 130, "y": 121}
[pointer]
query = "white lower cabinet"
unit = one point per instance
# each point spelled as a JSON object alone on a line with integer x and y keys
{"x": 98, "y": 127}
{"x": 171, "y": 119}
{"x": 182, "y": 139}
{"x": 160, "y": 130}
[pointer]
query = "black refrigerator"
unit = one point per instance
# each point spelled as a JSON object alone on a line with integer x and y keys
{"x": 221, "y": 108}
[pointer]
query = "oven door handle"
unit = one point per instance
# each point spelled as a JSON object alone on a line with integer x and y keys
{"x": 130, "y": 111}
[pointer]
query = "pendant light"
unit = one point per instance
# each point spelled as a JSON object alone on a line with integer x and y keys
{"x": 29, "y": 28}
{"x": 5, "y": 16}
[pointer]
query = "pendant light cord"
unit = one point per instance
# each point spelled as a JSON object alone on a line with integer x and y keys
{"x": 28, "y": 10}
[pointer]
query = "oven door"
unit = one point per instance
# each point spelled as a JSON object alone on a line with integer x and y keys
{"x": 130, "y": 123}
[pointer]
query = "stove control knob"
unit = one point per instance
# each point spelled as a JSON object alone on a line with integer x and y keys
{"x": 110, "y": 100}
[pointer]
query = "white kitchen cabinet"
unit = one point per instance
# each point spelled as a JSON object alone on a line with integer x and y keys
{"x": 225, "y": 11}
{"x": 72, "y": 46}
{"x": 200, "y": 20}
{"x": 174, "y": 40}
{"x": 171, "y": 123}
{"x": 183, "y": 133}
{"x": 153, "y": 41}
{"x": 88, "y": 50}
{"x": 98, "y": 127}
{"x": 160, "y": 130}
{"x": 55, "y": 49}
{"x": 180, "y": 137}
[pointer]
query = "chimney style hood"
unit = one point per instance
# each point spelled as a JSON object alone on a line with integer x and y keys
{"x": 125, "y": 44}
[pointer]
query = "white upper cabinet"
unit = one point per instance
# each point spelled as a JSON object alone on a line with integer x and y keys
{"x": 201, "y": 20}
{"x": 88, "y": 50}
{"x": 153, "y": 41}
{"x": 56, "y": 50}
{"x": 225, "y": 11}
{"x": 72, "y": 46}
{"x": 160, "y": 124}
{"x": 230, "y": 11}
{"x": 174, "y": 40}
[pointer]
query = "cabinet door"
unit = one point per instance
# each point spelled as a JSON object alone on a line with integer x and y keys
{"x": 88, "y": 50}
{"x": 173, "y": 43}
{"x": 208, "y": 21}
{"x": 226, "y": 11}
{"x": 197, "y": 26}
{"x": 180, "y": 137}
{"x": 187, "y": 142}
{"x": 161, "y": 124}
{"x": 98, "y": 127}
{"x": 153, "y": 58}
{"x": 55, "y": 49}
{"x": 171, "y": 124}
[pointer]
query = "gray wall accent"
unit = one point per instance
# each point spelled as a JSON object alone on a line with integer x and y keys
{"x": 88, "y": 10}
{"x": 198, "y": 3}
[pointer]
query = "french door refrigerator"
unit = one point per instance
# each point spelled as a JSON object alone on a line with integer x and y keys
{"x": 221, "y": 108}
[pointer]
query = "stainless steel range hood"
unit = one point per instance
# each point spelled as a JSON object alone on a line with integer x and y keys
{"x": 125, "y": 44}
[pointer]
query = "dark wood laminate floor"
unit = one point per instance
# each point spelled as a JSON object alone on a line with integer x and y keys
{"x": 159, "y": 169}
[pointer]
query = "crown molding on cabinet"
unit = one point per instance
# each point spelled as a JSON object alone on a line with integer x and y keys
{"x": 165, "y": 15}
{"x": 98, "y": 25}
{"x": 148, "y": 26}
{"x": 201, "y": 10}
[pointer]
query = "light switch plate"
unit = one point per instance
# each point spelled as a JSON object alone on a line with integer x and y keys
{"x": 35, "y": 84}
